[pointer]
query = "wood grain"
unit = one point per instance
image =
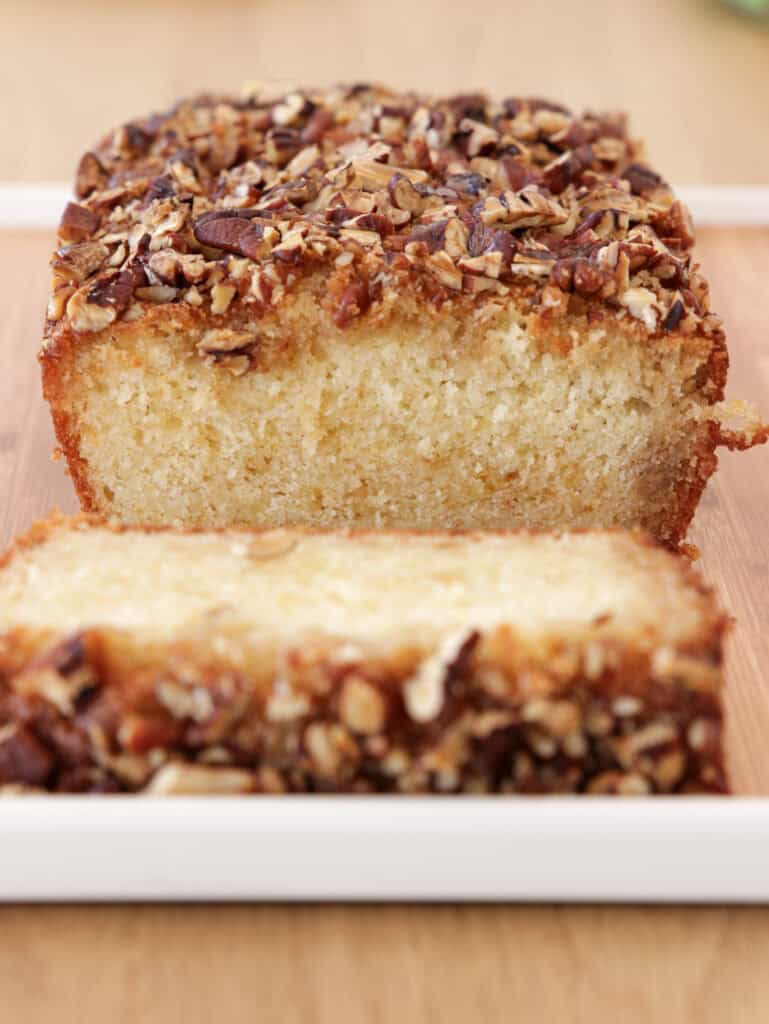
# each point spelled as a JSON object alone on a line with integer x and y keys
{"x": 381, "y": 965}
{"x": 404, "y": 963}
{"x": 693, "y": 74}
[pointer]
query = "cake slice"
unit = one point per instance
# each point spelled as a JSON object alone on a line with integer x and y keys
{"x": 356, "y": 307}
{"x": 400, "y": 662}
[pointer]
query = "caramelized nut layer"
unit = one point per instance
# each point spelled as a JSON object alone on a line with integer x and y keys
{"x": 223, "y": 203}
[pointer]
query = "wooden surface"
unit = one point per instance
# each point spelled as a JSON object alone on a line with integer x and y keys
{"x": 696, "y": 81}
{"x": 694, "y": 75}
{"x": 412, "y": 964}
{"x": 383, "y": 965}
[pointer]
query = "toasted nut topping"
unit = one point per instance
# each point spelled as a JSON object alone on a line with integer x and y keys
{"x": 77, "y": 223}
{"x": 220, "y": 202}
{"x": 87, "y": 316}
{"x": 284, "y": 704}
{"x": 23, "y": 758}
{"x": 221, "y": 340}
{"x": 178, "y": 779}
{"x": 184, "y": 701}
{"x": 221, "y": 296}
{"x": 361, "y": 706}
{"x": 424, "y": 691}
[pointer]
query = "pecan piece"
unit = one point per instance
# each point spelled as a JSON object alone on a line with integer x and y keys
{"x": 588, "y": 279}
{"x": 354, "y": 301}
{"x": 224, "y": 341}
{"x": 567, "y": 169}
{"x": 117, "y": 291}
{"x": 160, "y": 188}
{"x": 131, "y": 140}
{"x": 90, "y": 176}
{"x": 674, "y": 316}
{"x": 317, "y": 124}
{"x": 404, "y": 195}
{"x": 23, "y": 757}
{"x": 431, "y": 234}
{"x": 642, "y": 179}
{"x": 515, "y": 173}
{"x": 77, "y": 262}
{"x": 676, "y": 226}
{"x": 223, "y": 232}
{"x": 282, "y": 145}
{"x": 77, "y": 223}
{"x": 470, "y": 184}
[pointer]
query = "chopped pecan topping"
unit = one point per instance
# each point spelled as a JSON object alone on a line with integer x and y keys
{"x": 642, "y": 179}
{"x": 23, "y": 758}
{"x": 77, "y": 223}
{"x": 220, "y": 203}
{"x": 90, "y": 177}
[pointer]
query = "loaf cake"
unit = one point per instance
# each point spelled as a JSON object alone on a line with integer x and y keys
{"x": 170, "y": 662}
{"x": 356, "y": 307}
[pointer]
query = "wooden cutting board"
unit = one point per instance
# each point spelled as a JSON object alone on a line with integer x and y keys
{"x": 731, "y": 527}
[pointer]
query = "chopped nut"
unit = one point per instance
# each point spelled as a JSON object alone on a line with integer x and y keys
{"x": 442, "y": 266}
{"x": 77, "y": 262}
{"x": 612, "y": 782}
{"x": 219, "y": 340}
{"x": 77, "y": 223}
{"x": 626, "y": 706}
{"x": 481, "y": 136}
{"x": 372, "y": 176}
{"x": 90, "y": 176}
{"x": 288, "y": 111}
{"x": 285, "y": 704}
{"x": 703, "y": 735}
{"x": 156, "y": 293}
{"x": 330, "y": 746}
{"x": 403, "y": 195}
{"x": 628, "y": 748}
{"x": 86, "y": 316}
{"x": 182, "y": 779}
{"x": 185, "y": 702}
{"x": 221, "y": 296}
{"x": 640, "y": 303}
{"x": 361, "y": 706}
{"x": 23, "y": 757}
{"x": 488, "y": 263}
{"x": 424, "y": 692}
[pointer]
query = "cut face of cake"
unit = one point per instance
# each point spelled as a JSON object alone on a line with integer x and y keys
{"x": 356, "y": 307}
{"x": 344, "y": 661}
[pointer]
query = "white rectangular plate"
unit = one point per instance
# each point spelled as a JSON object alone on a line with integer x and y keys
{"x": 685, "y": 849}
{"x": 698, "y": 850}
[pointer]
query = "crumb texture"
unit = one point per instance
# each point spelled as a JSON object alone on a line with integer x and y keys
{"x": 409, "y": 424}
{"x": 284, "y": 585}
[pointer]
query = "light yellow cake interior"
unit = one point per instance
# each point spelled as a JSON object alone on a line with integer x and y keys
{"x": 416, "y": 424}
{"x": 371, "y": 587}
